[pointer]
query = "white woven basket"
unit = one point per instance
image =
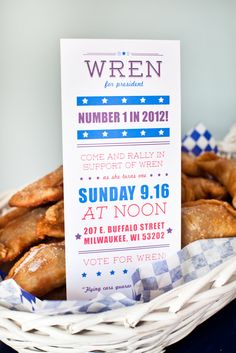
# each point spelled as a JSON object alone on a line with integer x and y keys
{"x": 148, "y": 327}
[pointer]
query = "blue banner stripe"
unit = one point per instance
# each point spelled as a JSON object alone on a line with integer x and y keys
{"x": 123, "y": 100}
{"x": 122, "y": 133}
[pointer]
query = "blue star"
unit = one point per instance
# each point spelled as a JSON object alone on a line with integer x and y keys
{"x": 169, "y": 230}
{"x": 84, "y": 275}
{"x": 112, "y": 272}
{"x": 99, "y": 273}
{"x": 125, "y": 271}
{"x": 78, "y": 236}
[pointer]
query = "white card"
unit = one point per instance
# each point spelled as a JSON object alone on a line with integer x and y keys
{"x": 121, "y": 157}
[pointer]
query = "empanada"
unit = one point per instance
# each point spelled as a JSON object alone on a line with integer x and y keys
{"x": 47, "y": 189}
{"x": 55, "y": 213}
{"x": 189, "y": 165}
{"x": 224, "y": 170}
{"x": 194, "y": 188}
{"x": 187, "y": 193}
{"x": 41, "y": 269}
{"x": 43, "y": 228}
{"x": 12, "y": 215}
{"x": 19, "y": 234}
{"x": 207, "y": 219}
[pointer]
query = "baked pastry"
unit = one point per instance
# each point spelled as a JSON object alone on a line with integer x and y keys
{"x": 189, "y": 165}
{"x": 55, "y": 213}
{"x": 41, "y": 269}
{"x": 187, "y": 193}
{"x": 224, "y": 170}
{"x": 207, "y": 219}
{"x": 195, "y": 188}
{"x": 52, "y": 224}
{"x": 12, "y": 215}
{"x": 20, "y": 234}
{"x": 47, "y": 189}
{"x": 44, "y": 228}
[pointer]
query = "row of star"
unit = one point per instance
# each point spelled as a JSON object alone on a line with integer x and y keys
{"x": 124, "y": 133}
{"x": 124, "y": 100}
{"x": 99, "y": 273}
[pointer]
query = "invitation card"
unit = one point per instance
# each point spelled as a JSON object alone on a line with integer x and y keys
{"x": 121, "y": 157}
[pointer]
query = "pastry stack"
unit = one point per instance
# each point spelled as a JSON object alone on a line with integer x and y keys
{"x": 208, "y": 197}
{"x": 32, "y": 249}
{"x": 32, "y": 245}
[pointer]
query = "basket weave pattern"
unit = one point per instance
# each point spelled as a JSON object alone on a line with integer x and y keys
{"x": 145, "y": 327}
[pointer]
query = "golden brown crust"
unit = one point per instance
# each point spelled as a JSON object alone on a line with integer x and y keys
{"x": 41, "y": 269}
{"x": 12, "y": 215}
{"x": 189, "y": 166}
{"x": 187, "y": 193}
{"x": 47, "y": 189}
{"x": 224, "y": 170}
{"x": 44, "y": 228}
{"x": 3, "y": 252}
{"x": 201, "y": 188}
{"x": 207, "y": 219}
{"x": 55, "y": 213}
{"x": 19, "y": 234}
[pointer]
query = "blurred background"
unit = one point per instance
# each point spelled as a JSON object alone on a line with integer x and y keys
{"x": 30, "y": 30}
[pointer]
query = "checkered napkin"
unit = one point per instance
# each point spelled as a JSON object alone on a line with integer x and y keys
{"x": 149, "y": 281}
{"x": 97, "y": 305}
{"x": 193, "y": 261}
{"x": 199, "y": 140}
{"x": 14, "y": 298}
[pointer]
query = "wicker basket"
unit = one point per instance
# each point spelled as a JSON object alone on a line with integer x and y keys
{"x": 145, "y": 327}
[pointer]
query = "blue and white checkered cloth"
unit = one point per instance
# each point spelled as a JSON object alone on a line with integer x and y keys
{"x": 199, "y": 140}
{"x": 149, "y": 281}
{"x": 193, "y": 261}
